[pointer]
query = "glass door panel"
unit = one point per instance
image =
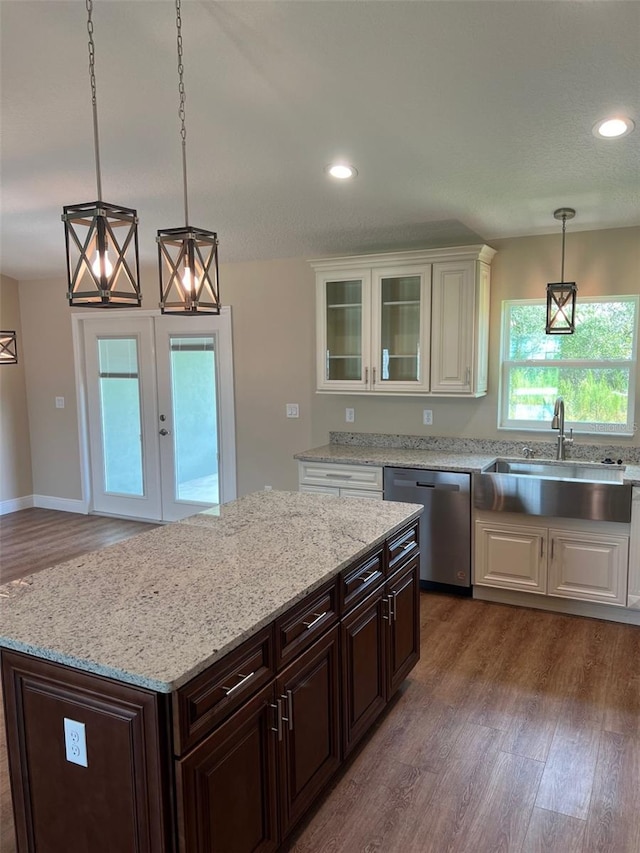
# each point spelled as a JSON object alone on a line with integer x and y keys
{"x": 343, "y": 300}
{"x": 120, "y": 415}
{"x": 195, "y": 420}
{"x": 400, "y": 328}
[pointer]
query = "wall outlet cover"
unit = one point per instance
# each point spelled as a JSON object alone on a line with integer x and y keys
{"x": 293, "y": 410}
{"x": 349, "y": 415}
{"x": 427, "y": 417}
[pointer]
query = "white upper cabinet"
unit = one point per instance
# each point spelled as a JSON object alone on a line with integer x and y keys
{"x": 404, "y": 323}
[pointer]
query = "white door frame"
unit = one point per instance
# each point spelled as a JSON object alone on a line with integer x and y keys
{"x": 228, "y": 480}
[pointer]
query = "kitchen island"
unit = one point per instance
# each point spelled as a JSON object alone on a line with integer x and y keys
{"x": 212, "y": 674}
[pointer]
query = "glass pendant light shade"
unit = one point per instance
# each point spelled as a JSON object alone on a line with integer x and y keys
{"x": 561, "y": 296}
{"x": 8, "y": 348}
{"x": 102, "y": 255}
{"x": 101, "y": 239}
{"x": 188, "y": 262}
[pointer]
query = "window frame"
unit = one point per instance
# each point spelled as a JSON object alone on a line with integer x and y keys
{"x": 506, "y": 365}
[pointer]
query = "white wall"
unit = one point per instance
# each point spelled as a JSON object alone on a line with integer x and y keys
{"x": 15, "y": 450}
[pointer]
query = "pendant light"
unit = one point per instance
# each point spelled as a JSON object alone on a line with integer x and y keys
{"x": 561, "y": 296}
{"x": 188, "y": 256}
{"x": 8, "y": 348}
{"x": 101, "y": 238}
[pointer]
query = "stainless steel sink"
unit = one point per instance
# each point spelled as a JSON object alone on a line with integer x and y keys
{"x": 563, "y": 489}
{"x": 560, "y": 470}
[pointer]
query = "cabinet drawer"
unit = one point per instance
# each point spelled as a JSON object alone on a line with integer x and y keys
{"x": 210, "y": 697}
{"x": 368, "y": 477}
{"x": 358, "y": 581}
{"x": 305, "y": 622}
{"x": 402, "y": 547}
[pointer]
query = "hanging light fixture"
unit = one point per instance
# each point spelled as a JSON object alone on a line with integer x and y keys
{"x": 8, "y": 348}
{"x": 561, "y": 296}
{"x": 188, "y": 256}
{"x": 101, "y": 238}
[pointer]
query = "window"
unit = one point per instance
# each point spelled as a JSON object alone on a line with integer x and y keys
{"x": 594, "y": 370}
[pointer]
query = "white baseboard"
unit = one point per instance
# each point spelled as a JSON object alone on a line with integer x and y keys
{"x": 16, "y": 504}
{"x": 63, "y": 504}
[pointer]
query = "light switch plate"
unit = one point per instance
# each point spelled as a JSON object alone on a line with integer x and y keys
{"x": 59, "y": 402}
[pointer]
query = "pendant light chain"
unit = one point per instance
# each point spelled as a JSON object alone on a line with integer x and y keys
{"x": 564, "y": 226}
{"x": 94, "y": 103}
{"x": 181, "y": 111}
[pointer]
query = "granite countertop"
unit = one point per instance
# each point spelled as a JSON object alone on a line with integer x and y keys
{"x": 435, "y": 460}
{"x": 157, "y": 609}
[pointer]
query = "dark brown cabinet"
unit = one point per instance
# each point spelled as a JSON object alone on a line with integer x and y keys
{"x": 227, "y": 786}
{"x": 403, "y": 619}
{"x": 364, "y": 693}
{"x": 120, "y": 799}
{"x": 308, "y": 695}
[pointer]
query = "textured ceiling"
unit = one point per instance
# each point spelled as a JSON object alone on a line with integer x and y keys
{"x": 466, "y": 121}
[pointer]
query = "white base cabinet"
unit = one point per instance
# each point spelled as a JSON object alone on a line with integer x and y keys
{"x": 345, "y": 481}
{"x": 573, "y": 563}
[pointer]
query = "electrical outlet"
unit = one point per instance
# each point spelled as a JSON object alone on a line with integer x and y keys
{"x": 293, "y": 410}
{"x": 75, "y": 742}
{"x": 349, "y": 415}
{"x": 59, "y": 402}
{"x": 427, "y": 417}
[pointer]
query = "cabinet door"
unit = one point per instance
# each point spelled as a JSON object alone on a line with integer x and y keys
{"x": 343, "y": 312}
{"x": 403, "y": 615}
{"x": 227, "y": 785}
{"x": 511, "y": 556}
{"x": 453, "y": 339}
{"x": 308, "y": 694}
{"x": 363, "y": 667}
{"x": 401, "y": 329}
{"x": 588, "y": 567}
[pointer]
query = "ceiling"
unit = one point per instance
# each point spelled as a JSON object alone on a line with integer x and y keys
{"x": 467, "y": 121}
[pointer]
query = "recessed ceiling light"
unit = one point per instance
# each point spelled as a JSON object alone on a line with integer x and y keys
{"x": 613, "y": 128}
{"x": 342, "y": 171}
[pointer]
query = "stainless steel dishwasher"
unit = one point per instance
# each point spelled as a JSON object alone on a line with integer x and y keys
{"x": 445, "y": 524}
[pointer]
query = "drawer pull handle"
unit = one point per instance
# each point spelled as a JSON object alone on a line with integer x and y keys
{"x": 368, "y": 575}
{"x": 339, "y": 476}
{"x": 278, "y": 728}
{"x": 243, "y": 680}
{"x": 409, "y": 545}
{"x": 392, "y": 607}
{"x": 289, "y": 700}
{"x": 318, "y": 616}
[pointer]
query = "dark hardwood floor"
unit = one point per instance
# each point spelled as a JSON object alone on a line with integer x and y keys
{"x": 518, "y": 732}
{"x": 35, "y": 539}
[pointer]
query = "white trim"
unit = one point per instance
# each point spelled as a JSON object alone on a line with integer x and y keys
{"x": 556, "y": 605}
{"x": 63, "y": 504}
{"x": 476, "y": 252}
{"x": 16, "y": 504}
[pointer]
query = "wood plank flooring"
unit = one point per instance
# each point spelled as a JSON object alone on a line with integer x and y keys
{"x": 518, "y": 732}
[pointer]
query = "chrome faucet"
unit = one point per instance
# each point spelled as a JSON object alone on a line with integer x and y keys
{"x": 558, "y": 423}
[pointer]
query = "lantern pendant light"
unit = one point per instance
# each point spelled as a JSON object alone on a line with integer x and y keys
{"x": 188, "y": 256}
{"x": 8, "y": 348}
{"x": 101, "y": 238}
{"x": 561, "y": 296}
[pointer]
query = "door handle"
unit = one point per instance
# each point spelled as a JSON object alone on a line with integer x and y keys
{"x": 164, "y": 431}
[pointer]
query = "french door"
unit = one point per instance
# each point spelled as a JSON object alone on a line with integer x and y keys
{"x": 159, "y": 413}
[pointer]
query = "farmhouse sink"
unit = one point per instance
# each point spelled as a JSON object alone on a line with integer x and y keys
{"x": 560, "y": 470}
{"x": 556, "y": 489}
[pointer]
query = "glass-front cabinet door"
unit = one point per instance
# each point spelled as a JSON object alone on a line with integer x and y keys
{"x": 344, "y": 313}
{"x": 401, "y": 329}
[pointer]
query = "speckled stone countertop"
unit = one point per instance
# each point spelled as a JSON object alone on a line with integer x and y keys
{"x": 157, "y": 609}
{"x": 434, "y": 460}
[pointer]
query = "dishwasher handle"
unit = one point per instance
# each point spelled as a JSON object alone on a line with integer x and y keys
{"x": 445, "y": 487}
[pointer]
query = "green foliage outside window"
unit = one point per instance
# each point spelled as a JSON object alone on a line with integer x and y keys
{"x": 593, "y": 369}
